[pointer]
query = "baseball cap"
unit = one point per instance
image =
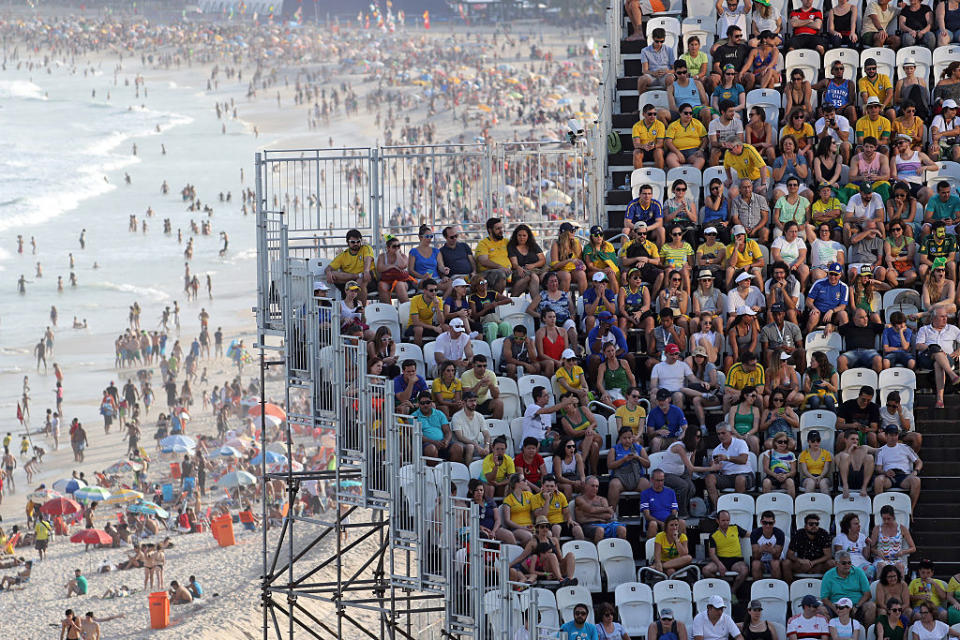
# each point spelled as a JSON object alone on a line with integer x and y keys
{"x": 738, "y": 229}
{"x": 457, "y": 325}
{"x": 640, "y": 226}
{"x": 810, "y": 600}
{"x": 596, "y": 230}
{"x": 756, "y": 604}
{"x": 729, "y": 67}
{"x": 671, "y": 348}
{"x": 813, "y": 435}
{"x": 866, "y": 270}
{"x": 599, "y": 276}
{"x": 460, "y": 282}
{"x": 320, "y": 285}
{"x": 666, "y": 613}
{"x": 743, "y": 276}
{"x": 949, "y": 103}
{"x": 662, "y": 394}
{"x": 744, "y": 310}
{"x": 873, "y": 100}
{"x": 352, "y": 286}
{"x": 824, "y": 185}
{"x": 567, "y": 226}
{"x": 777, "y": 307}
{"x": 835, "y": 268}
{"x": 704, "y": 274}
{"x": 567, "y": 354}
{"x": 604, "y": 316}
{"x": 716, "y": 602}
{"x": 866, "y": 187}
{"x": 784, "y": 355}
{"x": 710, "y": 230}
{"x": 700, "y": 351}
{"x": 842, "y": 602}
{"x": 891, "y": 428}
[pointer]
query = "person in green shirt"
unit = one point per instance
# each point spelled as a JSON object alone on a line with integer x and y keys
{"x": 78, "y": 585}
{"x": 945, "y": 206}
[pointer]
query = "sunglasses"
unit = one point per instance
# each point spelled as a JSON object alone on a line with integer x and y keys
{"x": 353, "y": 242}
{"x": 729, "y": 73}
{"x": 650, "y": 113}
{"x": 681, "y": 72}
{"x": 430, "y": 290}
{"x": 765, "y": 523}
{"x": 659, "y": 41}
{"x": 686, "y": 113}
{"x": 679, "y": 189}
{"x": 676, "y": 235}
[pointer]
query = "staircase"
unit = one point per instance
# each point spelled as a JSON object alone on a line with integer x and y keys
{"x": 623, "y": 117}
{"x": 936, "y": 519}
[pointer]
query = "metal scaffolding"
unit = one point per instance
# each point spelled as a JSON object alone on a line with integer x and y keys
{"x": 409, "y": 560}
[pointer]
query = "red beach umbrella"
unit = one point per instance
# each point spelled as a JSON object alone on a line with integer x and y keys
{"x": 60, "y": 506}
{"x": 271, "y": 410}
{"x": 91, "y": 536}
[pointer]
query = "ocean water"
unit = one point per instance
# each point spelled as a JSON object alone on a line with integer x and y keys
{"x": 63, "y": 158}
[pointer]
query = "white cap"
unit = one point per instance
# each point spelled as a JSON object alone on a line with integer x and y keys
{"x": 599, "y": 276}
{"x": 784, "y": 355}
{"x": 845, "y": 602}
{"x": 743, "y": 276}
{"x": 949, "y": 104}
{"x": 709, "y": 230}
{"x": 744, "y": 310}
{"x": 567, "y": 354}
{"x": 460, "y": 282}
{"x": 873, "y": 100}
{"x": 321, "y": 285}
{"x": 716, "y": 602}
{"x": 457, "y": 325}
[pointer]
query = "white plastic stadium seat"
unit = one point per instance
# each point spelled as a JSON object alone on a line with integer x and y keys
{"x": 707, "y": 587}
{"x": 921, "y": 55}
{"x": 782, "y": 507}
{"x": 806, "y": 60}
{"x": 672, "y": 28}
{"x": 741, "y": 508}
{"x": 476, "y": 469}
{"x": 819, "y": 420}
{"x": 480, "y": 347}
{"x": 818, "y": 503}
{"x": 770, "y": 101}
{"x": 516, "y": 434}
{"x": 852, "y": 379}
{"x": 501, "y": 428}
{"x": 860, "y": 505}
{"x": 942, "y": 57}
{"x": 587, "y": 569}
{"x": 708, "y": 11}
{"x": 548, "y": 614}
{"x": 526, "y": 385}
{"x": 803, "y": 587}
{"x": 850, "y": 59}
{"x": 831, "y": 346}
{"x": 775, "y": 596}
{"x": 383, "y": 315}
{"x": 495, "y": 608}
{"x": 568, "y": 597}
{"x": 634, "y": 601}
{"x": 459, "y": 476}
{"x": 901, "y": 380}
{"x": 509, "y": 396}
{"x": 652, "y": 176}
{"x": 702, "y": 27}
{"x": 675, "y": 595}
{"x": 410, "y": 351}
{"x": 708, "y": 175}
{"x": 616, "y": 560}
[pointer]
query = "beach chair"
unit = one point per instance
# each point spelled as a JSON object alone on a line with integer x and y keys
{"x": 167, "y": 492}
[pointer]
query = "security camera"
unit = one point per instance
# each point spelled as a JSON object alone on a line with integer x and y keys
{"x": 575, "y": 126}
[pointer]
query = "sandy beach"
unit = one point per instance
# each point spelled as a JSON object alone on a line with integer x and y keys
{"x": 271, "y": 119}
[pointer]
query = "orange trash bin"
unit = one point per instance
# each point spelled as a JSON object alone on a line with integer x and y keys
{"x": 223, "y": 532}
{"x": 159, "y": 610}
{"x": 175, "y": 470}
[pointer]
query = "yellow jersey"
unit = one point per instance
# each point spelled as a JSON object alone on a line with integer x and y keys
{"x": 878, "y": 128}
{"x": 686, "y": 137}
{"x": 747, "y": 164}
{"x": 351, "y": 263}
{"x": 429, "y": 313}
{"x": 496, "y": 250}
{"x": 749, "y": 255}
{"x": 633, "y": 419}
{"x": 877, "y": 87}
{"x": 648, "y": 135}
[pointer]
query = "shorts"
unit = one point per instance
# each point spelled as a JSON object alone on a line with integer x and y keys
{"x": 725, "y": 481}
{"x": 855, "y": 478}
{"x": 484, "y": 407}
{"x": 442, "y": 452}
{"x": 568, "y": 324}
{"x": 860, "y": 357}
{"x": 689, "y": 153}
{"x": 427, "y": 333}
{"x": 41, "y": 545}
{"x": 898, "y": 478}
{"x": 729, "y": 562}
{"x": 657, "y": 82}
{"x": 643, "y": 155}
{"x": 899, "y": 358}
{"x": 924, "y": 360}
{"x": 609, "y": 529}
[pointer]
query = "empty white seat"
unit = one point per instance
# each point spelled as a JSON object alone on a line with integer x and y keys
{"x": 616, "y": 560}
{"x": 775, "y": 596}
{"x": 496, "y": 352}
{"x": 806, "y": 60}
{"x": 509, "y": 396}
{"x": 379, "y": 315}
{"x": 634, "y": 601}
{"x": 459, "y": 475}
{"x": 587, "y": 560}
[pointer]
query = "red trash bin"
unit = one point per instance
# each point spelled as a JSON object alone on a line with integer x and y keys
{"x": 159, "y": 610}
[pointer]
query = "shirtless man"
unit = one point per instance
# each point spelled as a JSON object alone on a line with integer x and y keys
{"x": 178, "y": 594}
{"x": 856, "y": 464}
{"x": 593, "y": 512}
{"x": 41, "y": 352}
{"x": 70, "y": 627}
{"x": 90, "y": 625}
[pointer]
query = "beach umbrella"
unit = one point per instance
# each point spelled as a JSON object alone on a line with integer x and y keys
{"x": 123, "y": 466}
{"x": 68, "y": 485}
{"x": 91, "y": 536}
{"x": 282, "y": 466}
{"x": 123, "y": 496}
{"x": 148, "y": 508}
{"x": 91, "y": 494}
{"x": 270, "y": 409}
{"x": 273, "y": 421}
{"x": 178, "y": 444}
{"x": 43, "y": 495}
{"x": 237, "y": 479}
{"x": 278, "y": 447}
{"x": 240, "y": 442}
{"x": 226, "y": 452}
{"x": 272, "y": 458}
{"x": 60, "y": 506}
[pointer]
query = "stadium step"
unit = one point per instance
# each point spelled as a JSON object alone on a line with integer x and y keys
{"x": 945, "y": 453}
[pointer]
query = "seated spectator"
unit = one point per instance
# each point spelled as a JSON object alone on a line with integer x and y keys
{"x": 392, "y": 267}
{"x": 497, "y": 469}
{"x": 759, "y": 134}
{"x": 552, "y": 503}
{"x": 947, "y": 88}
{"x": 945, "y": 206}
{"x": 899, "y": 248}
{"x": 892, "y": 624}
{"x": 746, "y": 294}
{"x": 539, "y": 418}
{"x": 456, "y": 258}
{"x": 729, "y": 125}
{"x": 929, "y": 627}
{"x": 568, "y": 467}
{"x": 530, "y": 463}
{"x": 743, "y": 335}
{"x": 807, "y": 23}
{"x": 678, "y": 467}
{"x": 179, "y": 594}
{"x": 743, "y": 162}
{"x": 782, "y": 335}
{"x": 825, "y": 251}
{"x": 644, "y": 208}
{"x": 437, "y": 437}
{"x": 939, "y": 248}
{"x": 833, "y": 132}
{"x": 842, "y": 28}
{"x": 356, "y": 263}
{"x": 725, "y": 553}
{"x": 483, "y": 382}
{"x": 632, "y": 414}
{"x": 595, "y": 514}
{"x": 892, "y": 587}
{"x": 715, "y": 623}
{"x": 764, "y": 60}
{"x": 407, "y": 387}
{"x": 648, "y": 134}
{"x": 603, "y": 332}
{"x": 675, "y": 376}
{"x": 493, "y": 262}
{"x": 641, "y": 253}
{"x": 686, "y": 140}
{"x": 925, "y": 590}
{"x": 658, "y": 503}
{"x": 853, "y": 541}
{"x": 579, "y": 627}
{"x": 744, "y": 417}
{"x": 809, "y": 551}
{"x": 845, "y": 584}
{"x": 423, "y": 262}
{"x": 815, "y": 466}
{"x": 897, "y": 343}
{"x": 671, "y": 552}
{"x": 426, "y": 314}
{"x": 907, "y": 166}
{"x": 821, "y": 383}
{"x": 936, "y": 350}
{"x": 614, "y": 377}
{"x": 597, "y": 300}
{"x": 518, "y": 508}
{"x": 943, "y": 133}
{"x": 766, "y": 544}
{"x": 743, "y": 254}
{"x": 550, "y": 343}
{"x": 754, "y": 626}
{"x": 876, "y": 19}
{"x": 790, "y": 251}
{"x": 794, "y": 161}
{"x": 570, "y": 377}
{"x": 666, "y": 423}
{"x": 490, "y": 523}
{"x": 689, "y": 90}
{"x": 634, "y": 303}
{"x": 541, "y": 557}
{"x": 610, "y": 628}
{"x": 447, "y": 390}
{"x": 677, "y": 254}
{"x": 668, "y": 333}
{"x": 457, "y": 305}
{"x": 78, "y": 584}
{"x": 844, "y": 626}
{"x": 566, "y": 254}
{"x": 483, "y": 310}
{"x": 453, "y": 345}
{"x": 780, "y": 467}
{"x": 656, "y": 60}
{"x": 579, "y": 423}
{"x": 735, "y": 471}
{"x": 554, "y": 298}
{"x": 893, "y": 413}
{"x": 898, "y": 466}
{"x": 855, "y": 463}
{"x": 891, "y": 542}
{"x": 809, "y": 623}
{"x": 600, "y": 259}
{"x": 827, "y": 300}
{"x": 729, "y": 57}
{"x": 779, "y": 419}
{"x": 519, "y": 355}
{"x": 746, "y": 372}
{"x": 860, "y": 336}
{"x": 783, "y": 377}
{"x": 627, "y": 462}
{"x": 470, "y": 429}
{"x": 948, "y": 22}
{"x": 527, "y": 260}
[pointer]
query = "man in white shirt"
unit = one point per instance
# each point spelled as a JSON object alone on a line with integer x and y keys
{"x": 863, "y": 206}
{"x": 744, "y": 295}
{"x": 715, "y": 623}
{"x": 454, "y": 345}
{"x": 673, "y": 375}
{"x": 470, "y": 428}
{"x": 732, "y": 455}
{"x": 836, "y": 126}
{"x": 538, "y": 417}
{"x": 897, "y": 466}
{"x": 936, "y": 349}
{"x": 809, "y": 624}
